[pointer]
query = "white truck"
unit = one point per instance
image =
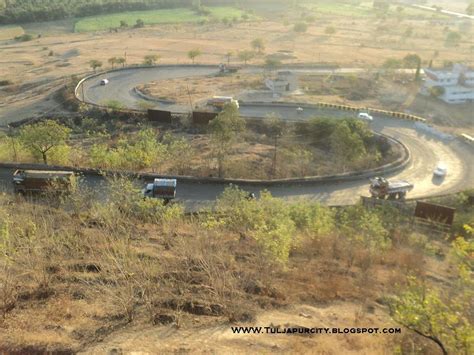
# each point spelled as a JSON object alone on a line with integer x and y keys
{"x": 382, "y": 188}
{"x": 161, "y": 188}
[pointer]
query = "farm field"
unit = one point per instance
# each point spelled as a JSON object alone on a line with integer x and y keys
{"x": 364, "y": 10}
{"x": 167, "y": 16}
{"x": 357, "y": 41}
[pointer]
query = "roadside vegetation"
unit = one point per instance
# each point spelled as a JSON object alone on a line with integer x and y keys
{"x": 80, "y": 275}
{"x": 226, "y": 147}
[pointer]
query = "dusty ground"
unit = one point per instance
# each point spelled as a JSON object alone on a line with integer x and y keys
{"x": 220, "y": 338}
{"x": 357, "y": 42}
{"x": 199, "y": 90}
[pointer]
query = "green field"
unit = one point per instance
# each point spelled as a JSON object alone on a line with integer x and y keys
{"x": 9, "y": 32}
{"x": 104, "y": 22}
{"x": 365, "y": 9}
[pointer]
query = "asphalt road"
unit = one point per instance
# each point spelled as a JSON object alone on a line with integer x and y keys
{"x": 427, "y": 149}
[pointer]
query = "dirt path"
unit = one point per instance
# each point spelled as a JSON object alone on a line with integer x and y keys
{"x": 219, "y": 339}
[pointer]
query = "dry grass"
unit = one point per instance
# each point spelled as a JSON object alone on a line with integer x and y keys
{"x": 70, "y": 279}
{"x": 200, "y": 90}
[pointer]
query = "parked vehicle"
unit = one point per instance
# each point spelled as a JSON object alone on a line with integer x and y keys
{"x": 382, "y": 188}
{"x": 161, "y": 188}
{"x": 104, "y": 81}
{"x": 441, "y": 170}
{"x": 39, "y": 181}
{"x": 299, "y": 110}
{"x": 220, "y": 101}
{"x": 365, "y": 116}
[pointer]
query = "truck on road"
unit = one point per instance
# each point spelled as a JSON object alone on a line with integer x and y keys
{"x": 161, "y": 188}
{"x": 382, "y": 188}
{"x": 40, "y": 181}
{"x": 219, "y": 102}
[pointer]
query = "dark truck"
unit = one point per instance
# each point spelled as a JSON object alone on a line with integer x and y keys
{"x": 161, "y": 188}
{"x": 40, "y": 181}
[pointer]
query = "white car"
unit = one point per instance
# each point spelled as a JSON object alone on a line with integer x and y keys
{"x": 441, "y": 170}
{"x": 365, "y": 116}
{"x": 104, "y": 81}
{"x": 299, "y": 110}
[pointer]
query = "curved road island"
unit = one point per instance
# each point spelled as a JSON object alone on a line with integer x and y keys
{"x": 426, "y": 148}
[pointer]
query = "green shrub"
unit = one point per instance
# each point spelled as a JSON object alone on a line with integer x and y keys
{"x": 267, "y": 220}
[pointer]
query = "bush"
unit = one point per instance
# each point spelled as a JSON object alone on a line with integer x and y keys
{"x": 300, "y": 27}
{"x": 312, "y": 217}
{"x": 24, "y": 38}
{"x": 267, "y": 220}
{"x": 330, "y": 30}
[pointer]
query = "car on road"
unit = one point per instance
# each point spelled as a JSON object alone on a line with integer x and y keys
{"x": 299, "y": 110}
{"x": 441, "y": 170}
{"x": 104, "y": 81}
{"x": 365, "y": 116}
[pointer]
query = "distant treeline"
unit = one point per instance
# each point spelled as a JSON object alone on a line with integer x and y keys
{"x": 18, "y": 11}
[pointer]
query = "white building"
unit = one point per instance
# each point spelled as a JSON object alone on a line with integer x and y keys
{"x": 457, "y": 83}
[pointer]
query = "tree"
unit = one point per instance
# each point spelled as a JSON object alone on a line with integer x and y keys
{"x": 193, "y": 54}
{"x": 246, "y": 56}
{"x": 41, "y": 138}
{"x": 266, "y": 220}
{"x": 470, "y": 9}
{"x": 330, "y": 30}
{"x": 413, "y": 61}
{"x": 272, "y": 64}
{"x": 300, "y": 27}
{"x": 112, "y": 61}
{"x": 275, "y": 128}
{"x": 228, "y": 55}
{"x": 121, "y": 60}
{"x": 225, "y": 129}
{"x": 139, "y": 24}
{"x": 346, "y": 145}
{"x": 258, "y": 45}
{"x": 441, "y": 318}
{"x": 151, "y": 59}
{"x": 123, "y": 24}
{"x": 452, "y": 38}
{"x": 94, "y": 64}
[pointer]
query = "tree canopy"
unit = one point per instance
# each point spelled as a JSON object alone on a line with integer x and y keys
{"x": 224, "y": 130}
{"x": 41, "y": 138}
